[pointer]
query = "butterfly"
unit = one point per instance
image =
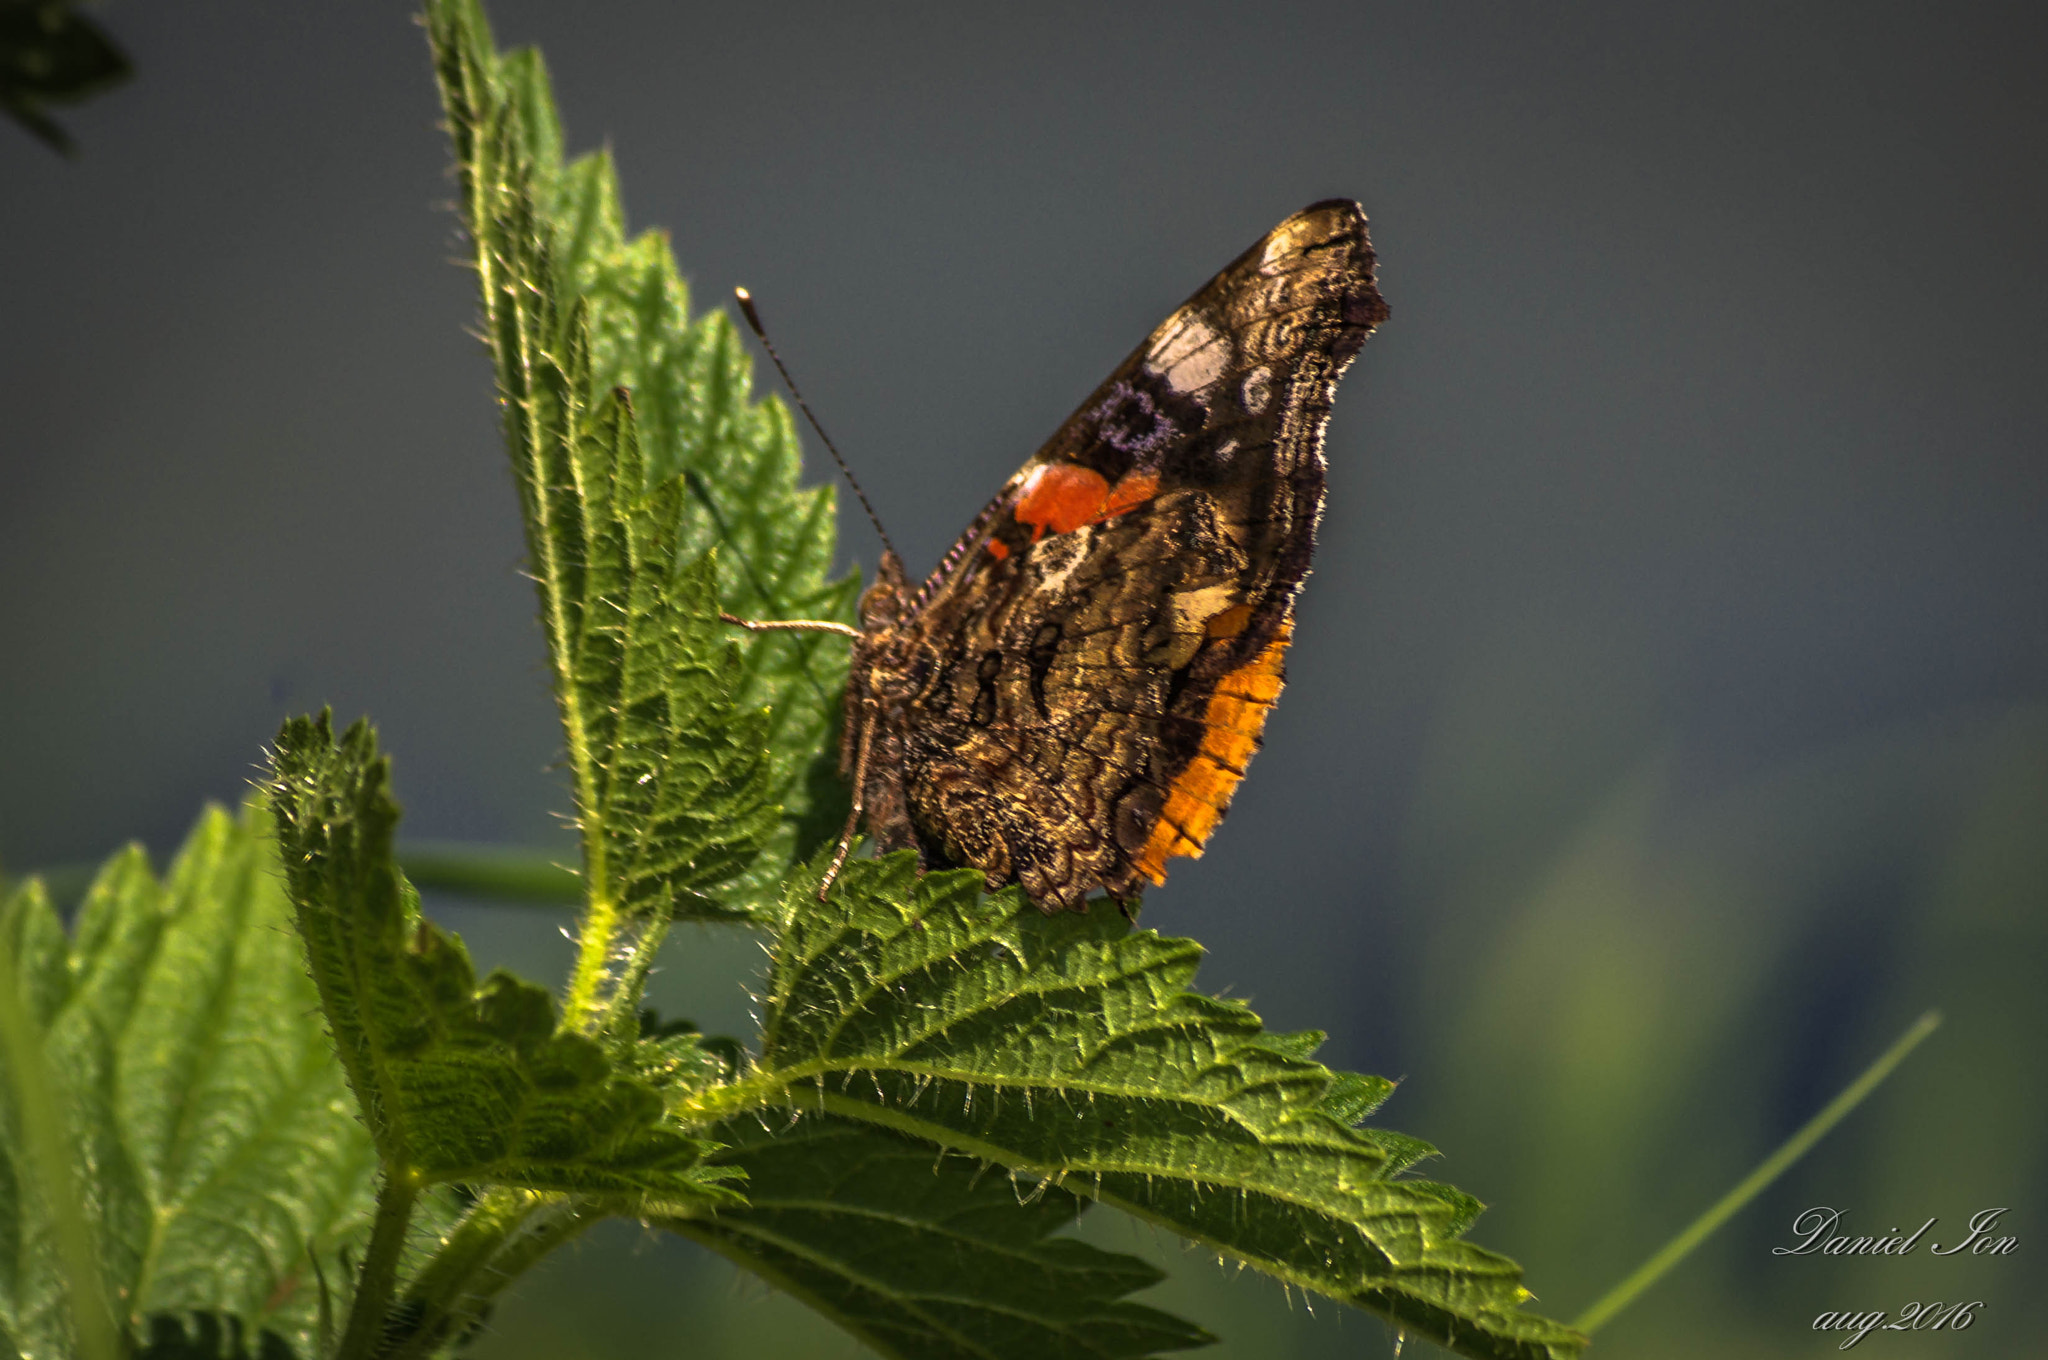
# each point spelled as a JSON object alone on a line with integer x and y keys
{"x": 1071, "y": 698}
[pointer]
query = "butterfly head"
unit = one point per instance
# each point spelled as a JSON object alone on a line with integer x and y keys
{"x": 882, "y": 603}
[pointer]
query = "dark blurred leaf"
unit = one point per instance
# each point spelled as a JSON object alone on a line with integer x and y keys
{"x": 928, "y": 1255}
{"x": 52, "y": 54}
{"x": 208, "y": 1336}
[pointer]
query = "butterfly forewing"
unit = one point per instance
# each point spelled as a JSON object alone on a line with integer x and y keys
{"x": 1070, "y": 700}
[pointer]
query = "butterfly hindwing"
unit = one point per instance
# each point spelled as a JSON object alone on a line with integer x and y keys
{"x": 1070, "y": 700}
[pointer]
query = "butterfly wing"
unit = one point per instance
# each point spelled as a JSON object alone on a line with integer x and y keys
{"x": 1094, "y": 659}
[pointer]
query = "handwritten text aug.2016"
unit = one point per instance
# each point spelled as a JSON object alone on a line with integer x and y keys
{"x": 1815, "y": 1234}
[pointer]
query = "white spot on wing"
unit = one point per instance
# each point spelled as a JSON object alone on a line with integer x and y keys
{"x": 1257, "y": 390}
{"x": 1193, "y": 358}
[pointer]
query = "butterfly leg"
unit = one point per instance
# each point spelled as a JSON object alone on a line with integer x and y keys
{"x": 860, "y": 787}
{"x": 788, "y": 625}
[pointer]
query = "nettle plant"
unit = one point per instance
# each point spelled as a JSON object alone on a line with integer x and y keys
{"x": 942, "y": 1080}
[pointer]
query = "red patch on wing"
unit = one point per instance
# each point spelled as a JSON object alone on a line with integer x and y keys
{"x": 1062, "y": 497}
{"x": 998, "y": 549}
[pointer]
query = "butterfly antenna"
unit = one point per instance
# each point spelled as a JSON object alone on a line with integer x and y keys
{"x": 746, "y": 301}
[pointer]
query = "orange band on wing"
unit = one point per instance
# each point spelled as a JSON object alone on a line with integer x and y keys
{"x": 1230, "y": 622}
{"x": 1230, "y": 734}
{"x": 1132, "y": 490}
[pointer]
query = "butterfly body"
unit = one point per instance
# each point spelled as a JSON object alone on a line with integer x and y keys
{"x": 1071, "y": 698}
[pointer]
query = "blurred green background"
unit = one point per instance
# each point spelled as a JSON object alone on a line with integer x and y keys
{"x": 1668, "y": 723}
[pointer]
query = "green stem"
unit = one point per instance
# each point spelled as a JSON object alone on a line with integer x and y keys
{"x": 495, "y": 1216}
{"x": 619, "y": 1015}
{"x": 508, "y": 874}
{"x": 596, "y": 936}
{"x": 378, "y": 1280}
{"x": 47, "y": 1147}
{"x": 1772, "y": 1167}
{"x": 503, "y": 1234}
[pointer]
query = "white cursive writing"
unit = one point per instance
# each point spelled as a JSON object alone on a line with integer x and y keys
{"x": 1815, "y": 1226}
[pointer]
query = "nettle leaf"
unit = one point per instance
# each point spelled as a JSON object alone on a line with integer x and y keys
{"x": 928, "y": 1255}
{"x": 675, "y": 781}
{"x": 217, "y": 1153}
{"x": 574, "y": 311}
{"x": 458, "y": 1081}
{"x": 1069, "y": 1048}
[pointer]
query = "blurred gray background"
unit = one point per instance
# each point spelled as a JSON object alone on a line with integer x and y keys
{"x": 1668, "y": 719}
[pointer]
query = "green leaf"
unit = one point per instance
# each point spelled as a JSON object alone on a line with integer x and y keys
{"x": 927, "y": 1255}
{"x": 619, "y": 490}
{"x": 1069, "y": 1048}
{"x": 457, "y": 1081}
{"x": 216, "y": 1148}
